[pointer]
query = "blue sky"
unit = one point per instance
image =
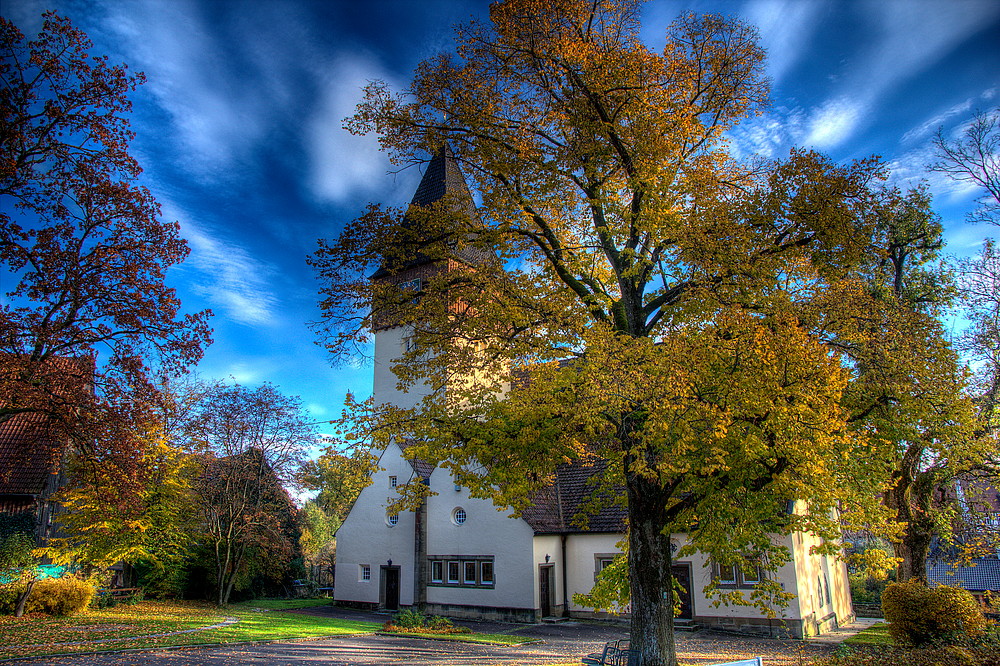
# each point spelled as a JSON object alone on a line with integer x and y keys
{"x": 239, "y": 129}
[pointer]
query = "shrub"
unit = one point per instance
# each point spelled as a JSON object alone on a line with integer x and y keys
{"x": 60, "y": 596}
{"x": 920, "y": 615}
{"x": 411, "y": 621}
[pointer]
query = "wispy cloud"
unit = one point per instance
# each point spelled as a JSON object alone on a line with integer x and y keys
{"x": 834, "y": 122}
{"x": 785, "y": 27}
{"x": 227, "y": 276}
{"x": 912, "y": 36}
{"x": 341, "y": 163}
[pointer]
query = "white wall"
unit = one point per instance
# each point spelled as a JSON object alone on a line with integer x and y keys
{"x": 388, "y": 348}
{"x": 365, "y": 538}
{"x": 486, "y": 531}
{"x": 813, "y": 574}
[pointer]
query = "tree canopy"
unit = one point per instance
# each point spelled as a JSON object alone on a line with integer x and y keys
{"x": 82, "y": 244}
{"x": 642, "y": 299}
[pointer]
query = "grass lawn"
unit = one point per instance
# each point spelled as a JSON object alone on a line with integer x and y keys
{"x": 281, "y": 604}
{"x": 36, "y": 633}
{"x": 877, "y": 634}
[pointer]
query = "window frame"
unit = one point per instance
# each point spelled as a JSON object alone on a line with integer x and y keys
{"x": 365, "y": 573}
{"x": 739, "y": 579}
{"x": 393, "y": 481}
{"x": 455, "y": 570}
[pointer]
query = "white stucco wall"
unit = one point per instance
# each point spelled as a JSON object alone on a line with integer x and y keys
{"x": 365, "y": 538}
{"x": 814, "y": 573}
{"x": 389, "y": 346}
{"x": 581, "y": 550}
{"x": 486, "y": 532}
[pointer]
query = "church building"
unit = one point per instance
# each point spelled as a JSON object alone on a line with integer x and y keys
{"x": 460, "y": 557}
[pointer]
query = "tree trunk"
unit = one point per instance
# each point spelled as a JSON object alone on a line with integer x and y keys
{"x": 910, "y": 498}
{"x": 650, "y": 576}
{"x": 22, "y": 600}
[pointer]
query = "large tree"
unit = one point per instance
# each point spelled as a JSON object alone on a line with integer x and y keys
{"x": 83, "y": 248}
{"x": 254, "y": 441}
{"x": 909, "y": 388}
{"x": 697, "y": 299}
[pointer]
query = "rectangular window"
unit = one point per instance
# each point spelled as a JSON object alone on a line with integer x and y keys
{"x": 366, "y": 572}
{"x": 461, "y": 571}
{"x": 392, "y": 482}
{"x": 727, "y": 574}
{"x": 826, "y": 580}
{"x": 751, "y": 577}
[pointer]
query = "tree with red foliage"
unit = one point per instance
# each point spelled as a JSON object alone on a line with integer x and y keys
{"x": 83, "y": 248}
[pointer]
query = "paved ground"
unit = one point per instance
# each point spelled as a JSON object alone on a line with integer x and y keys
{"x": 557, "y": 643}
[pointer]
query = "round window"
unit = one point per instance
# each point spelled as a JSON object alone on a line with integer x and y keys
{"x": 458, "y": 516}
{"x": 392, "y": 519}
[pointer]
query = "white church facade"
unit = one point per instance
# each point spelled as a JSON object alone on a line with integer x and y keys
{"x": 459, "y": 556}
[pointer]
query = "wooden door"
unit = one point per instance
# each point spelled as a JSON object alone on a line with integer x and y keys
{"x": 682, "y": 576}
{"x": 391, "y": 575}
{"x": 545, "y": 589}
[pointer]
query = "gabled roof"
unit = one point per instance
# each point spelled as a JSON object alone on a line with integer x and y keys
{"x": 28, "y": 456}
{"x": 554, "y": 509}
{"x": 443, "y": 177}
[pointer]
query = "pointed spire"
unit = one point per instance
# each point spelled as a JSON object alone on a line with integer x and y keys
{"x": 442, "y": 178}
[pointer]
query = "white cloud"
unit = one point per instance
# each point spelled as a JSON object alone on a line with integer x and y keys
{"x": 243, "y": 373}
{"x": 340, "y": 163}
{"x": 769, "y": 135}
{"x": 834, "y": 122}
{"x": 227, "y": 276}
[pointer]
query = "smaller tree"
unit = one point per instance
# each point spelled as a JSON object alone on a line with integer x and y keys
{"x": 83, "y": 249}
{"x": 974, "y": 157}
{"x": 339, "y": 478}
{"x": 254, "y": 440}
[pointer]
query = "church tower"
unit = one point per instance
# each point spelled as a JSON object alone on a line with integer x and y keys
{"x": 442, "y": 179}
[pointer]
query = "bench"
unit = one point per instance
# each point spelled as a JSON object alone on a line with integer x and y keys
{"x": 618, "y": 653}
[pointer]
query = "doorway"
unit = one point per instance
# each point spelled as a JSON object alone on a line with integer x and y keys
{"x": 546, "y": 589}
{"x": 682, "y": 577}
{"x": 390, "y": 587}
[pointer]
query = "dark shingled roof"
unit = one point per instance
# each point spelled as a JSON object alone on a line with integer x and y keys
{"x": 984, "y": 576}
{"x": 442, "y": 177}
{"x": 555, "y": 508}
{"x": 27, "y": 456}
